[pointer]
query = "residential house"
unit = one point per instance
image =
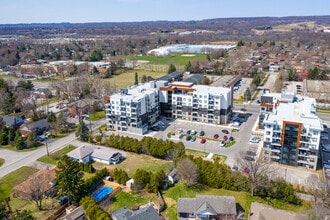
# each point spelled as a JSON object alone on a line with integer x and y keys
{"x": 75, "y": 213}
{"x": 146, "y": 213}
{"x": 35, "y": 127}
{"x": 12, "y": 121}
{"x": 43, "y": 181}
{"x": 83, "y": 106}
{"x": 87, "y": 154}
{"x": 207, "y": 207}
{"x": 82, "y": 154}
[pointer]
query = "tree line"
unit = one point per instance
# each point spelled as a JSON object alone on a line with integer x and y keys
{"x": 158, "y": 148}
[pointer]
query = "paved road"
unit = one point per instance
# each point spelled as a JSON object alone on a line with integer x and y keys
{"x": 15, "y": 160}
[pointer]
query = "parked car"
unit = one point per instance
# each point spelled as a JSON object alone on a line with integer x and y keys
{"x": 193, "y": 139}
{"x": 180, "y": 136}
{"x": 180, "y": 130}
{"x": 231, "y": 138}
{"x": 234, "y": 167}
{"x": 202, "y": 133}
{"x": 62, "y": 200}
{"x": 222, "y": 144}
{"x": 203, "y": 140}
{"x": 188, "y": 138}
{"x": 193, "y": 132}
{"x": 188, "y": 132}
{"x": 254, "y": 139}
{"x": 216, "y": 136}
{"x": 225, "y": 138}
{"x": 225, "y": 131}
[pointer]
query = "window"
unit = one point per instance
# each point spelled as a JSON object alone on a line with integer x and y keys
{"x": 268, "y": 132}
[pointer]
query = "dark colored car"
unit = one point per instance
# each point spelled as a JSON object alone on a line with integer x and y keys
{"x": 225, "y": 131}
{"x": 202, "y": 133}
{"x": 216, "y": 136}
{"x": 231, "y": 138}
{"x": 188, "y": 138}
{"x": 193, "y": 139}
{"x": 203, "y": 140}
{"x": 188, "y": 131}
{"x": 62, "y": 200}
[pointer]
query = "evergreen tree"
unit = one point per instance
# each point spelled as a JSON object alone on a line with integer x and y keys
{"x": 171, "y": 68}
{"x": 247, "y": 94}
{"x": 136, "y": 79}
{"x": 144, "y": 79}
{"x": 188, "y": 67}
{"x": 82, "y": 131}
{"x": 19, "y": 142}
{"x": 70, "y": 179}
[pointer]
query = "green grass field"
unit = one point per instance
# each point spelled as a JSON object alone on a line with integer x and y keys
{"x": 139, "y": 161}
{"x": 129, "y": 199}
{"x": 177, "y": 59}
{"x": 8, "y": 182}
{"x": 56, "y": 156}
{"x": 127, "y": 78}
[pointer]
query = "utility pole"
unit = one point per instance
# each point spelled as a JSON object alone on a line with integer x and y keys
{"x": 47, "y": 146}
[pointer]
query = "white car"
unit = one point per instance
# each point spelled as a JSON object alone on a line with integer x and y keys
{"x": 254, "y": 139}
{"x": 222, "y": 144}
{"x": 180, "y": 130}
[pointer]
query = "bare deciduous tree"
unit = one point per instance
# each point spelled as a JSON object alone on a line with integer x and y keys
{"x": 188, "y": 171}
{"x": 320, "y": 191}
{"x": 256, "y": 172}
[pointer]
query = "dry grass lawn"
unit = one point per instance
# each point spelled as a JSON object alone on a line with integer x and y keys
{"x": 138, "y": 161}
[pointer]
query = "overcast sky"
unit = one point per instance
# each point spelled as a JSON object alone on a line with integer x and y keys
{"x": 80, "y": 11}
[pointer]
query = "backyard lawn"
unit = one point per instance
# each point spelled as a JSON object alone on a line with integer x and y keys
{"x": 138, "y": 161}
{"x": 8, "y": 182}
{"x": 129, "y": 199}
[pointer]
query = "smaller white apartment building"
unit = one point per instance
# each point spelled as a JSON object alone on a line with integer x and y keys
{"x": 133, "y": 109}
{"x": 292, "y": 131}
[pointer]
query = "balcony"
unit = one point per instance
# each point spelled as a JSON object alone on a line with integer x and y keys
{"x": 275, "y": 150}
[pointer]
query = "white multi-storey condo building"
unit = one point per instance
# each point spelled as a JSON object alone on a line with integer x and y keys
{"x": 137, "y": 108}
{"x": 291, "y": 129}
{"x": 133, "y": 109}
{"x": 201, "y": 103}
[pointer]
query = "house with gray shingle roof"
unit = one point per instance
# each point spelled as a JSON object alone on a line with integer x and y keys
{"x": 86, "y": 154}
{"x": 207, "y": 207}
{"x": 146, "y": 213}
{"x": 82, "y": 154}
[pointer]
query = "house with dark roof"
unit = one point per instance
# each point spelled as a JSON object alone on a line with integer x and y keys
{"x": 207, "y": 207}
{"x": 171, "y": 77}
{"x": 146, "y": 213}
{"x": 12, "y": 121}
{"x": 35, "y": 127}
{"x": 194, "y": 78}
